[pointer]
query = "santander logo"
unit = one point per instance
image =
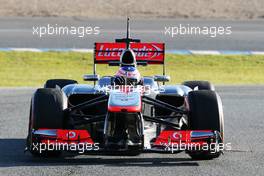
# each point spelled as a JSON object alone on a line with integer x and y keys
{"x": 141, "y": 50}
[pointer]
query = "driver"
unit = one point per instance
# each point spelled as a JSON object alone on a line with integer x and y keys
{"x": 128, "y": 73}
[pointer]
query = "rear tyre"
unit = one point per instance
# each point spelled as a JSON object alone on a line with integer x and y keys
{"x": 52, "y": 83}
{"x": 202, "y": 85}
{"x": 206, "y": 113}
{"x": 46, "y": 112}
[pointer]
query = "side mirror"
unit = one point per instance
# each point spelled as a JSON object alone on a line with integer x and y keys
{"x": 91, "y": 77}
{"x": 161, "y": 78}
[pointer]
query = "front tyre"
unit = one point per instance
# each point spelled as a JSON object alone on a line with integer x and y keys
{"x": 206, "y": 113}
{"x": 46, "y": 112}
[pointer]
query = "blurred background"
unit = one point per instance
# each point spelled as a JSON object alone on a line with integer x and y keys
{"x": 224, "y": 9}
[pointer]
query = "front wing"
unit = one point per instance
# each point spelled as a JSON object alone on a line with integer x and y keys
{"x": 81, "y": 141}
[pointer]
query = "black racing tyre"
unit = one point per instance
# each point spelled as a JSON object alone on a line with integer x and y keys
{"x": 52, "y": 83}
{"x": 48, "y": 108}
{"x": 206, "y": 113}
{"x": 202, "y": 85}
{"x": 46, "y": 112}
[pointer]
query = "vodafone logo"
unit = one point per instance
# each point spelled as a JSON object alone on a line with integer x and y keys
{"x": 176, "y": 136}
{"x": 71, "y": 134}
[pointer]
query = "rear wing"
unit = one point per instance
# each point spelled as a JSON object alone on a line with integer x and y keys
{"x": 146, "y": 53}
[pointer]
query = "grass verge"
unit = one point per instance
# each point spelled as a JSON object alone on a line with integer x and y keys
{"x": 33, "y": 69}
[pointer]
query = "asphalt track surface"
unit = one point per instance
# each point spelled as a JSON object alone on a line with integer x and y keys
{"x": 243, "y": 110}
{"x": 18, "y": 33}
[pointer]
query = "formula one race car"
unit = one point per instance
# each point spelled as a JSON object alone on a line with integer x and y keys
{"x": 126, "y": 114}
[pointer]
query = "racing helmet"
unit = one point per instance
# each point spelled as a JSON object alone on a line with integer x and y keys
{"x": 127, "y": 74}
{"x": 128, "y": 58}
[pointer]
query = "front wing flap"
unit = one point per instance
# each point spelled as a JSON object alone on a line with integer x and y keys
{"x": 184, "y": 140}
